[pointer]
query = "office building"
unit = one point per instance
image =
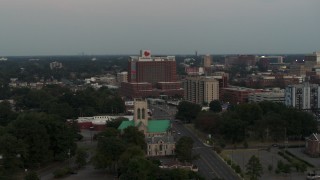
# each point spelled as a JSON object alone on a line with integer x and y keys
{"x": 207, "y": 61}
{"x": 303, "y": 96}
{"x": 237, "y": 95}
{"x": 151, "y": 76}
{"x": 201, "y": 89}
{"x": 275, "y": 95}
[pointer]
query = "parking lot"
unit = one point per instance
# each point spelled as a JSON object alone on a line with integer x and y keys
{"x": 242, "y": 156}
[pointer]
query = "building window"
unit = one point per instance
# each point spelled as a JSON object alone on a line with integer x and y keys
{"x": 160, "y": 147}
{"x": 143, "y": 113}
{"x": 139, "y": 113}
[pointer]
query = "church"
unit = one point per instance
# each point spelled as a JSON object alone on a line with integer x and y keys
{"x": 159, "y": 139}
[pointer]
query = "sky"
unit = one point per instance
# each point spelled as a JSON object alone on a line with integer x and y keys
{"x": 108, "y": 27}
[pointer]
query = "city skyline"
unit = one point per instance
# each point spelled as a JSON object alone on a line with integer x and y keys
{"x": 165, "y": 27}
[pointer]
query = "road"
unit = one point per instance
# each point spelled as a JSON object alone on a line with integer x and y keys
{"x": 210, "y": 164}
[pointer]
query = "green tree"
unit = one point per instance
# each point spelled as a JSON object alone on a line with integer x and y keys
{"x": 35, "y": 136}
{"x": 109, "y": 150}
{"x": 215, "y": 106}
{"x": 184, "y": 149}
{"x": 13, "y": 152}
{"x": 32, "y": 175}
{"x": 81, "y": 157}
{"x": 132, "y": 136}
{"x": 6, "y": 113}
{"x": 254, "y": 168}
{"x": 140, "y": 168}
{"x": 187, "y": 111}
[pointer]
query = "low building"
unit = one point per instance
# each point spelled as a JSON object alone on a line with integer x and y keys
{"x": 160, "y": 145}
{"x": 238, "y": 95}
{"x": 179, "y": 165}
{"x": 313, "y": 145}
{"x": 275, "y": 95}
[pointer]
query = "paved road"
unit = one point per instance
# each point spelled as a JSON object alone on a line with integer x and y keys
{"x": 210, "y": 165}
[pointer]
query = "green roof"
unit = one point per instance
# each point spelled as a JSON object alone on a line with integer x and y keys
{"x": 125, "y": 124}
{"x": 154, "y": 126}
{"x": 158, "y": 126}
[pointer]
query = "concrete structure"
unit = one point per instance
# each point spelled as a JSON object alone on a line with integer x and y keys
{"x": 238, "y": 95}
{"x": 96, "y": 122}
{"x": 201, "y": 89}
{"x": 243, "y": 60}
{"x": 275, "y": 95}
{"x": 303, "y": 96}
{"x": 271, "y": 59}
{"x": 122, "y": 77}
{"x": 313, "y": 145}
{"x": 207, "y": 61}
{"x": 272, "y": 80}
{"x": 151, "y": 76}
{"x": 158, "y": 135}
{"x": 55, "y": 65}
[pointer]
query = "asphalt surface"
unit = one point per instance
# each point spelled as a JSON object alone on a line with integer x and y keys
{"x": 210, "y": 165}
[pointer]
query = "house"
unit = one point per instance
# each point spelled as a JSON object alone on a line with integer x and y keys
{"x": 159, "y": 139}
{"x": 313, "y": 145}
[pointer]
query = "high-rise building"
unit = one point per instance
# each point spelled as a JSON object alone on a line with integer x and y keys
{"x": 145, "y": 68}
{"x": 151, "y": 76}
{"x": 207, "y": 60}
{"x": 303, "y": 96}
{"x": 122, "y": 77}
{"x": 201, "y": 89}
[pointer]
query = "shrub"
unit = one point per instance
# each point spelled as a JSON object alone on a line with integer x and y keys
{"x": 61, "y": 172}
{"x": 32, "y": 175}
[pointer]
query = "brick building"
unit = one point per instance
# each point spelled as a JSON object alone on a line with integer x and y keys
{"x": 237, "y": 95}
{"x": 151, "y": 76}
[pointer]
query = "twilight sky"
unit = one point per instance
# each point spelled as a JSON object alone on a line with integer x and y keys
{"x": 70, "y": 27}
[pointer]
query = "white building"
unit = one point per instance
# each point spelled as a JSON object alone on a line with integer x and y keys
{"x": 303, "y": 96}
{"x": 275, "y": 95}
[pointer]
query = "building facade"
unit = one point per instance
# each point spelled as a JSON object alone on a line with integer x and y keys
{"x": 275, "y": 95}
{"x": 207, "y": 61}
{"x": 238, "y": 95}
{"x": 313, "y": 145}
{"x": 201, "y": 89}
{"x": 303, "y": 96}
{"x": 158, "y": 136}
{"x": 150, "y": 76}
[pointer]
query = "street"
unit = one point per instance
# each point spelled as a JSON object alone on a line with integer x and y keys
{"x": 210, "y": 164}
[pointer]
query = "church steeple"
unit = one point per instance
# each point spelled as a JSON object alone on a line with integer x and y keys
{"x": 140, "y": 115}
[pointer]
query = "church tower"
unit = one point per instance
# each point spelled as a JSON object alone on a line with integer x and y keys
{"x": 140, "y": 115}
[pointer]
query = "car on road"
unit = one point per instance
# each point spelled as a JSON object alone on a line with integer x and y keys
{"x": 179, "y": 133}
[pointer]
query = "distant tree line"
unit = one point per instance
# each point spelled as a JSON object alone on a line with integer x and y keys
{"x": 260, "y": 121}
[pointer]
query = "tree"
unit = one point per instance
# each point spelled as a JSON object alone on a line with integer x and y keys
{"x": 35, "y": 136}
{"x": 215, "y": 106}
{"x": 139, "y": 168}
{"x": 132, "y": 136}
{"x": 81, "y": 157}
{"x": 254, "y": 168}
{"x": 208, "y": 121}
{"x": 13, "y": 152}
{"x": 187, "y": 111}
{"x": 184, "y": 149}
{"x": 32, "y": 175}
{"x": 6, "y": 113}
{"x": 109, "y": 150}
